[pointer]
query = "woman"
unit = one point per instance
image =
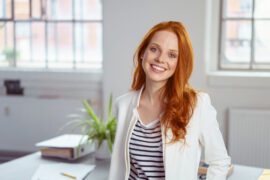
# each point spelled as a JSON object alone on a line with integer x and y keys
{"x": 163, "y": 123}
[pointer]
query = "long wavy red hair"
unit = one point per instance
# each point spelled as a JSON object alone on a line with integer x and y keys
{"x": 180, "y": 96}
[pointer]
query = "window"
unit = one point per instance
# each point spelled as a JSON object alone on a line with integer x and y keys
{"x": 50, "y": 34}
{"x": 245, "y": 37}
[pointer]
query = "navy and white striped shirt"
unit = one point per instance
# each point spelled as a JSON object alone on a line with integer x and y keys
{"x": 146, "y": 153}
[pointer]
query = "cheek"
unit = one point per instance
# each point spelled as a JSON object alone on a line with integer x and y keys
{"x": 146, "y": 60}
{"x": 173, "y": 65}
{"x": 149, "y": 56}
{"x": 144, "y": 64}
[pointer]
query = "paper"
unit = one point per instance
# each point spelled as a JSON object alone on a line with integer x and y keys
{"x": 54, "y": 171}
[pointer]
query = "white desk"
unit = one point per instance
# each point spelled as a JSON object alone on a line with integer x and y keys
{"x": 245, "y": 173}
{"x": 24, "y": 168}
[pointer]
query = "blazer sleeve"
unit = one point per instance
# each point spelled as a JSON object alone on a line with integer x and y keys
{"x": 117, "y": 165}
{"x": 211, "y": 138}
{"x": 113, "y": 164}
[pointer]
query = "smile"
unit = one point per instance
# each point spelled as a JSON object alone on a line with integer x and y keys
{"x": 158, "y": 68}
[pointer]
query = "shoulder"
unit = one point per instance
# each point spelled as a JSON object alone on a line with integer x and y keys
{"x": 202, "y": 98}
{"x": 204, "y": 105}
{"x": 203, "y": 101}
{"x": 126, "y": 98}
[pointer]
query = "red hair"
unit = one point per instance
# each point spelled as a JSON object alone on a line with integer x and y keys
{"x": 180, "y": 96}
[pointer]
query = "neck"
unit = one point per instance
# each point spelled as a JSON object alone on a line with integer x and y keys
{"x": 151, "y": 92}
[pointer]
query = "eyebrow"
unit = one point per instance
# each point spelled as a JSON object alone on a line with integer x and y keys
{"x": 176, "y": 51}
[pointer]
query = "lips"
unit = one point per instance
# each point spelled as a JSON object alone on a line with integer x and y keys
{"x": 158, "y": 68}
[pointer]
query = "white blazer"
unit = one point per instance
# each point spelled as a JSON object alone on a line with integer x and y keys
{"x": 181, "y": 161}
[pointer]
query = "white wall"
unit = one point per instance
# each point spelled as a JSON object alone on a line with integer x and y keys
{"x": 27, "y": 120}
{"x": 42, "y": 111}
{"x": 125, "y": 23}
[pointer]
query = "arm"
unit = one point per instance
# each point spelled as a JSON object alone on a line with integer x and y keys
{"x": 211, "y": 138}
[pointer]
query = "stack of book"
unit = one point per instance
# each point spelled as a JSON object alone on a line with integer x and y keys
{"x": 66, "y": 153}
{"x": 68, "y": 146}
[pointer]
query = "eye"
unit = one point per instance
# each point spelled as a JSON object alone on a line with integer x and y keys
{"x": 153, "y": 49}
{"x": 172, "y": 55}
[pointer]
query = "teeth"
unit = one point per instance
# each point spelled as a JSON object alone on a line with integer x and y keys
{"x": 158, "y": 68}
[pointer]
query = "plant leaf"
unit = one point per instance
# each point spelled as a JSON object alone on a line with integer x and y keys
{"x": 109, "y": 140}
{"x": 91, "y": 112}
{"x": 110, "y": 108}
{"x": 99, "y": 142}
{"x": 93, "y": 127}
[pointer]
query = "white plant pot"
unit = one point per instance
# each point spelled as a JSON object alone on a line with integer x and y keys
{"x": 103, "y": 152}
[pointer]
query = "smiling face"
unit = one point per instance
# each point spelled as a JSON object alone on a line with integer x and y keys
{"x": 160, "y": 57}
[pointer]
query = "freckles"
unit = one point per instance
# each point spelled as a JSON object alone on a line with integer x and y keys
{"x": 172, "y": 65}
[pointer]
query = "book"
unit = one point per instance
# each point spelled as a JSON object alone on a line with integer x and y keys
{"x": 67, "y": 146}
{"x": 203, "y": 168}
{"x": 66, "y": 153}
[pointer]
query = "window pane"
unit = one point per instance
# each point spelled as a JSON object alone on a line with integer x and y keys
{"x": 237, "y": 8}
{"x": 59, "y": 10}
{"x": 88, "y": 9}
{"x": 60, "y": 45}
{"x": 52, "y": 41}
{"x": 23, "y": 43}
{"x": 30, "y": 44}
{"x": 5, "y": 9}
{"x": 58, "y": 42}
{"x": 22, "y": 9}
{"x": 79, "y": 41}
{"x": 36, "y": 9}
{"x": 88, "y": 41}
{"x": 38, "y": 42}
{"x": 236, "y": 42}
{"x": 262, "y": 8}
{"x": 262, "y": 41}
{"x": 88, "y": 44}
{"x": 6, "y": 44}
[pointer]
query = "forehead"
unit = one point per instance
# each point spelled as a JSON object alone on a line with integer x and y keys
{"x": 165, "y": 38}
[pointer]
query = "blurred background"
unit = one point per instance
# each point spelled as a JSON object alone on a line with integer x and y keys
{"x": 54, "y": 53}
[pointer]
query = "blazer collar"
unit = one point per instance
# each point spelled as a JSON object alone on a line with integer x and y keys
{"x": 139, "y": 97}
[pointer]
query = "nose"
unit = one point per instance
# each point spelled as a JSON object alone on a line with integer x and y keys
{"x": 161, "y": 58}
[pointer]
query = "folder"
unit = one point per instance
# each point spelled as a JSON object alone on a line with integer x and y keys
{"x": 67, "y": 146}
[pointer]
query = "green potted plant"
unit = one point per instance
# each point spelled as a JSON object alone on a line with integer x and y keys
{"x": 96, "y": 129}
{"x": 8, "y": 52}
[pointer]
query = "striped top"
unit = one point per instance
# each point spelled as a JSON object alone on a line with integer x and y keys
{"x": 146, "y": 153}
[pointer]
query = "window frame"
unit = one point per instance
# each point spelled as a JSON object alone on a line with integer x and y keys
{"x": 224, "y": 78}
{"x": 221, "y": 42}
{"x": 73, "y": 21}
{"x": 55, "y": 83}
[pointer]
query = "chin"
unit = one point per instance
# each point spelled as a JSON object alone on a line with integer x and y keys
{"x": 158, "y": 80}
